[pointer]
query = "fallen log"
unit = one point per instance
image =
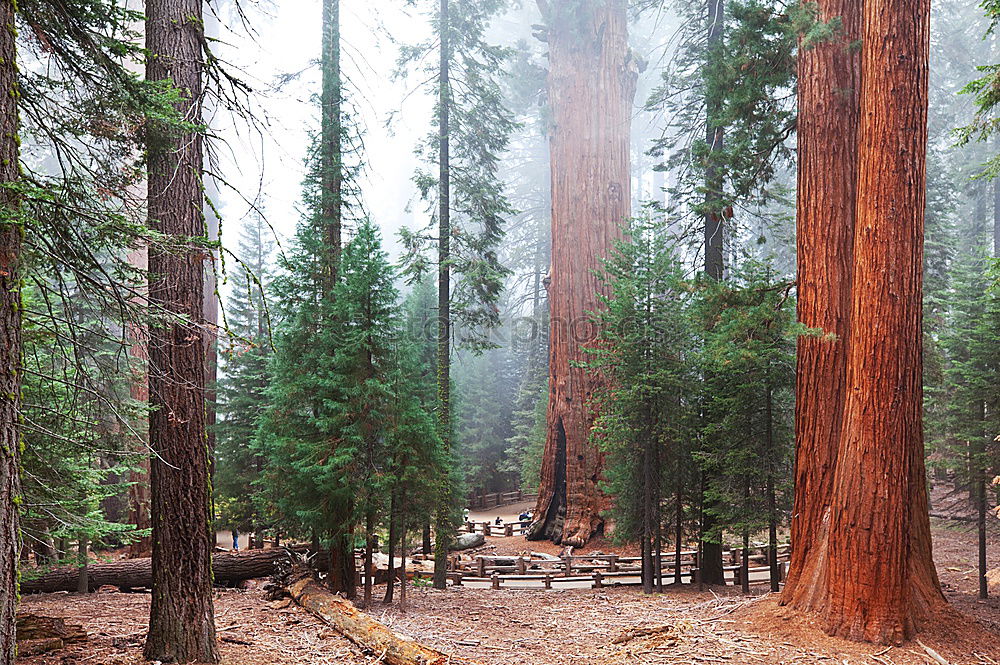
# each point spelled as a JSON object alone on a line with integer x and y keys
{"x": 33, "y": 627}
{"x": 27, "y": 648}
{"x": 138, "y": 573}
{"x": 358, "y": 627}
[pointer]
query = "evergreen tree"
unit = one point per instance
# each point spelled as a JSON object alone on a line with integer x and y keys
{"x": 646, "y": 416}
{"x": 242, "y": 392}
{"x": 749, "y": 361}
{"x": 473, "y": 130}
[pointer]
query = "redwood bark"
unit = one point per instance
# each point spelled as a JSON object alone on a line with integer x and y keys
{"x": 591, "y": 82}
{"x": 11, "y": 234}
{"x": 861, "y": 532}
{"x": 882, "y": 582}
{"x": 181, "y": 625}
{"x": 829, "y": 79}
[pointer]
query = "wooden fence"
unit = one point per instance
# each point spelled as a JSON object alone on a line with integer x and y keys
{"x": 487, "y": 501}
{"x": 597, "y": 570}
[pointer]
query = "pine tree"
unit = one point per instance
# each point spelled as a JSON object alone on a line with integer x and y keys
{"x": 473, "y": 130}
{"x": 242, "y": 392}
{"x": 749, "y": 358}
{"x": 646, "y": 350}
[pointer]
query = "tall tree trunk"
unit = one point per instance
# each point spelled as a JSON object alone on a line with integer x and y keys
{"x": 711, "y": 540}
{"x": 882, "y": 584}
{"x": 980, "y": 481}
{"x": 369, "y": 548}
{"x": 331, "y": 152}
{"x": 592, "y": 81}
{"x": 678, "y": 533}
{"x": 393, "y": 521}
{"x": 11, "y": 236}
{"x": 138, "y": 490}
{"x": 181, "y": 624}
{"x": 829, "y": 79}
{"x": 443, "y": 522}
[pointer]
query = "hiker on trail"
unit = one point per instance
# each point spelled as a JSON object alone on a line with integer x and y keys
{"x": 236, "y": 539}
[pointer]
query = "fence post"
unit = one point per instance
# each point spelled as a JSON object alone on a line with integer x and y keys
{"x": 613, "y": 564}
{"x": 481, "y": 563}
{"x": 457, "y": 578}
{"x": 522, "y": 567}
{"x": 548, "y": 581}
{"x": 496, "y": 579}
{"x": 569, "y": 564}
{"x": 509, "y": 530}
{"x": 598, "y": 578}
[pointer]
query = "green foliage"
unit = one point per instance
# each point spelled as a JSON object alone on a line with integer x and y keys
{"x": 647, "y": 414}
{"x": 480, "y": 126}
{"x": 748, "y": 361}
{"x": 244, "y": 356}
{"x": 345, "y": 423}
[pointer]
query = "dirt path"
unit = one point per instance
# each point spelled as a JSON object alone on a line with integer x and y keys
{"x": 251, "y": 630}
{"x": 575, "y": 626}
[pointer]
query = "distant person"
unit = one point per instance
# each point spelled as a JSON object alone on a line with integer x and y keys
{"x": 236, "y": 540}
{"x": 525, "y": 516}
{"x": 499, "y": 521}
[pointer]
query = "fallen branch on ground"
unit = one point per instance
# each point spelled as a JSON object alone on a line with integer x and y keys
{"x": 358, "y": 627}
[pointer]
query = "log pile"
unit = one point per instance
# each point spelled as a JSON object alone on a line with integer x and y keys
{"x": 40, "y": 634}
{"x": 358, "y": 627}
{"x": 138, "y": 573}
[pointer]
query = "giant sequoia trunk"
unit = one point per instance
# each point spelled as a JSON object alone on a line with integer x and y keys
{"x": 11, "y": 231}
{"x": 181, "y": 624}
{"x": 829, "y": 80}
{"x": 875, "y": 579}
{"x": 592, "y": 79}
{"x": 882, "y": 582}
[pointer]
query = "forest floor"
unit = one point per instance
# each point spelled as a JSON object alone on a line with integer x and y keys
{"x": 573, "y": 626}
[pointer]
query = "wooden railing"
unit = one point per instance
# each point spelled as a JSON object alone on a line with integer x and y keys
{"x": 487, "y": 501}
{"x": 598, "y": 570}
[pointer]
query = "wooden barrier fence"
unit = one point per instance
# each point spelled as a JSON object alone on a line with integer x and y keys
{"x": 487, "y": 501}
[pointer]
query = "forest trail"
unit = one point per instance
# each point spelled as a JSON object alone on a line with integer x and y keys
{"x": 510, "y": 627}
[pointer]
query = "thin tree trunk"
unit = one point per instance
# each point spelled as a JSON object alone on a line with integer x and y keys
{"x": 369, "y": 546}
{"x": 331, "y": 153}
{"x": 711, "y": 564}
{"x": 393, "y": 521}
{"x": 402, "y": 567}
{"x": 829, "y": 79}
{"x": 882, "y": 584}
{"x": 678, "y": 534}
{"x": 11, "y": 236}
{"x": 979, "y": 484}
{"x": 82, "y": 582}
{"x": 181, "y": 624}
{"x": 772, "y": 507}
{"x": 443, "y": 524}
{"x": 591, "y": 81}
{"x": 647, "y": 510}
{"x": 425, "y": 544}
{"x": 745, "y": 564}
